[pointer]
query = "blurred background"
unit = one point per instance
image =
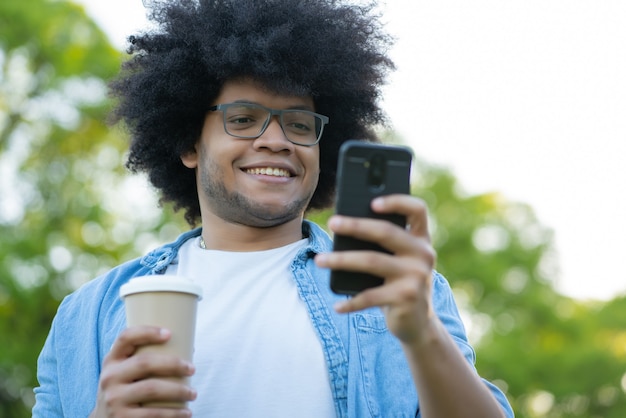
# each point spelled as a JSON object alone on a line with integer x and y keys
{"x": 515, "y": 111}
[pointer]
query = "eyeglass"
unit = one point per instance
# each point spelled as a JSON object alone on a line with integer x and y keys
{"x": 250, "y": 120}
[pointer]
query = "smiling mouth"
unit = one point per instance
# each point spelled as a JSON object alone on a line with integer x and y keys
{"x": 269, "y": 171}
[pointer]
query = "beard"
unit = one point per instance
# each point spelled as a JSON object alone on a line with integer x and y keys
{"x": 234, "y": 207}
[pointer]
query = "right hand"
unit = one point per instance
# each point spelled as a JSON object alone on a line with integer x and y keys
{"x": 130, "y": 379}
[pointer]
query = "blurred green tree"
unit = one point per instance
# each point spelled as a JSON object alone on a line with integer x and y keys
{"x": 68, "y": 211}
{"x": 554, "y": 356}
{"x": 62, "y": 179}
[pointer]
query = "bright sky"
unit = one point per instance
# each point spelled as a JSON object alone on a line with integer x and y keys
{"x": 523, "y": 97}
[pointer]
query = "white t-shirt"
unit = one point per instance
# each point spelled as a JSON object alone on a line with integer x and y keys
{"x": 256, "y": 351}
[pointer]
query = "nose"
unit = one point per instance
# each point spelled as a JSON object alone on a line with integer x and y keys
{"x": 274, "y": 137}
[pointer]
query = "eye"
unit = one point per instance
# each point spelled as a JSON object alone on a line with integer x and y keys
{"x": 298, "y": 122}
{"x": 243, "y": 117}
{"x": 299, "y": 126}
{"x": 240, "y": 119}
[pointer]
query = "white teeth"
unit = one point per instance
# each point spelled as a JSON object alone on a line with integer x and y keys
{"x": 269, "y": 171}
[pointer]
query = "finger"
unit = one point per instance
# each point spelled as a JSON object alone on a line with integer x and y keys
{"x": 389, "y": 236}
{"x": 145, "y": 365}
{"x": 373, "y": 262}
{"x": 404, "y": 291}
{"x": 158, "y": 390}
{"x": 384, "y": 233}
{"x": 413, "y": 208}
{"x": 160, "y": 412}
{"x": 124, "y": 395}
{"x": 132, "y": 338}
{"x": 147, "y": 411}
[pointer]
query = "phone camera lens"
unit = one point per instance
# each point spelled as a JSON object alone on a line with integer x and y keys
{"x": 377, "y": 171}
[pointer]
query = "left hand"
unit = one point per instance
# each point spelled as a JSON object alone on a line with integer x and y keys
{"x": 405, "y": 296}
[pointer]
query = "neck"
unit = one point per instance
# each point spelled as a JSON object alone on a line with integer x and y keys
{"x": 225, "y": 236}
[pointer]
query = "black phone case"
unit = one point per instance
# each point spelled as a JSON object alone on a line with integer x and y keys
{"x": 365, "y": 171}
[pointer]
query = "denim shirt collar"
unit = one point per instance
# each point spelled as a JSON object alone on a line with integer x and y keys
{"x": 158, "y": 259}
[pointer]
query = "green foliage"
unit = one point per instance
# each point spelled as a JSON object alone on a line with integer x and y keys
{"x": 68, "y": 211}
{"x": 61, "y": 179}
{"x": 553, "y": 356}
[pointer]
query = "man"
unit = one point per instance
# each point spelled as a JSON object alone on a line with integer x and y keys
{"x": 236, "y": 111}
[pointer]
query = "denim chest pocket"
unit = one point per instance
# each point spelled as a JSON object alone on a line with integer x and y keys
{"x": 387, "y": 384}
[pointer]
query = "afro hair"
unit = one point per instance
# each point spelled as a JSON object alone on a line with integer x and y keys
{"x": 332, "y": 51}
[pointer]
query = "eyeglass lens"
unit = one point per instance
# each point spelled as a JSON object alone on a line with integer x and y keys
{"x": 247, "y": 120}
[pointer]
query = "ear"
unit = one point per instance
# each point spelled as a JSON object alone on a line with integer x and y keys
{"x": 190, "y": 159}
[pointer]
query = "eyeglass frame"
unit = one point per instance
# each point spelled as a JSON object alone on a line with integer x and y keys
{"x": 272, "y": 112}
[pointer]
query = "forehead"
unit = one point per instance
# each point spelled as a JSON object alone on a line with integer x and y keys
{"x": 255, "y": 92}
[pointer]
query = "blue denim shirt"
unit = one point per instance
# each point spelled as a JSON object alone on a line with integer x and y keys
{"x": 369, "y": 373}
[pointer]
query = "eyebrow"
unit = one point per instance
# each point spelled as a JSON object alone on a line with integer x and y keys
{"x": 296, "y": 107}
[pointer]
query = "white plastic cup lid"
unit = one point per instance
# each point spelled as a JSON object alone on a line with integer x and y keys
{"x": 160, "y": 283}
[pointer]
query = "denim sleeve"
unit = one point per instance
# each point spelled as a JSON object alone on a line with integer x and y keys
{"x": 448, "y": 313}
{"x": 69, "y": 363}
{"x": 47, "y": 398}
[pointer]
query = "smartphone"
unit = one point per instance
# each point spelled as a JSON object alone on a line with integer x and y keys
{"x": 365, "y": 171}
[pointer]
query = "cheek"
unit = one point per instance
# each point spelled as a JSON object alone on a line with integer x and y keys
{"x": 313, "y": 161}
{"x": 313, "y": 169}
